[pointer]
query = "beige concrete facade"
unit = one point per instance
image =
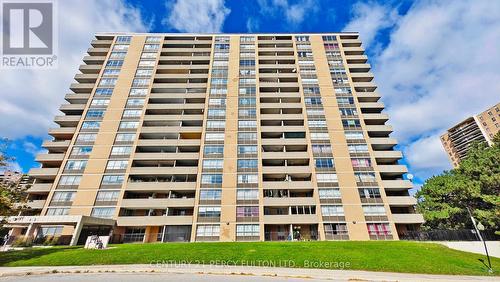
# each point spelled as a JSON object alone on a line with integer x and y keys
{"x": 237, "y": 137}
{"x": 481, "y": 127}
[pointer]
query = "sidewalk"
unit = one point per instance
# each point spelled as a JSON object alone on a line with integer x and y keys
{"x": 337, "y": 275}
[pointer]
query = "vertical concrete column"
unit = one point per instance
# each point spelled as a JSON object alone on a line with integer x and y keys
{"x": 228, "y": 199}
{"x": 76, "y": 233}
{"x": 351, "y": 202}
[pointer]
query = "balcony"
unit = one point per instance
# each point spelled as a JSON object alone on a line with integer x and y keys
{"x": 101, "y": 51}
{"x": 372, "y": 106}
{"x": 286, "y": 169}
{"x": 397, "y": 185}
{"x": 169, "y": 142}
{"x": 407, "y": 218}
{"x": 370, "y": 97}
{"x": 288, "y": 201}
{"x": 44, "y": 173}
{"x": 354, "y": 68}
{"x": 74, "y": 98}
{"x": 160, "y": 186}
{"x": 291, "y": 219}
{"x": 170, "y": 129}
{"x": 62, "y": 132}
{"x": 90, "y": 68}
{"x": 81, "y": 87}
{"x": 164, "y": 170}
{"x": 166, "y": 156}
{"x": 383, "y": 143}
{"x": 393, "y": 170}
{"x": 154, "y": 220}
{"x": 98, "y": 43}
{"x": 379, "y": 130}
{"x": 34, "y": 204}
{"x": 49, "y": 158}
{"x": 300, "y": 185}
{"x": 68, "y": 121}
{"x": 94, "y": 60}
{"x": 159, "y": 203}
{"x": 72, "y": 108}
{"x": 40, "y": 188}
{"x": 86, "y": 77}
{"x": 388, "y": 156}
{"x": 285, "y": 155}
{"x": 56, "y": 145}
{"x": 357, "y": 59}
{"x": 402, "y": 201}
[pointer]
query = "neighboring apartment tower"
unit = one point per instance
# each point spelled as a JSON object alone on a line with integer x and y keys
{"x": 200, "y": 137}
{"x": 482, "y": 127}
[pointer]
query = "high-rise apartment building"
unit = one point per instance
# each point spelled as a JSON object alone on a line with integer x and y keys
{"x": 479, "y": 128}
{"x": 200, "y": 137}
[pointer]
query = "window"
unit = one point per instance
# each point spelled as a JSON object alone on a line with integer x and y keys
{"x": 210, "y": 194}
{"x": 247, "y": 149}
{"x": 326, "y": 177}
{"x": 51, "y": 231}
{"x": 129, "y": 124}
{"x": 322, "y": 149}
{"x": 332, "y": 210}
{"x": 99, "y": 102}
{"x": 91, "y": 124}
{"x": 361, "y": 162}
{"x": 369, "y": 193}
{"x": 213, "y": 150}
{"x": 247, "y": 211}
{"x": 113, "y": 179}
{"x": 104, "y": 91}
{"x": 216, "y": 102}
{"x": 247, "y": 124}
{"x": 249, "y": 113}
{"x": 86, "y": 137}
{"x": 247, "y": 136}
{"x": 211, "y": 178}
{"x": 75, "y": 165}
{"x": 247, "y": 230}
{"x": 210, "y": 136}
{"x": 146, "y": 63}
{"x": 247, "y": 39}
{"x": 247, "y": 101}
{"x": 351, "y": 123}
{"x": 379, "y": 229}
{"x": 132, "y": 113}
{"x": 138, "y": 82}
{"x": 81, "y": 150}
{"x": 218, "y": 81}
{"x": 365, "y": 177}
{"x": 57, "y": 211}
{"x": 320, "y": 136}
{"x": 117, "y": 55}
{"x": 354, "y": 135}
{"x": 358, "y": 148}
{"x": 63, "y": 196}
{"x": 329, "y": 193}
{"x": 142, "y": 72}
{"x": 247, "y": 194}
{"x": 324, "y": 162}
{"x": 146, "y": 55}
{"x": 111, "y": 72}
{"x": 251, "y": 163}
{"x": 315, "y": 112}
{"x": 103, "y": 212}
{"x": 302, "y": 38}
{"x": 135, "y": 102}
{"x": 316, "y": 123}
{"x": 95, "y": 113}
{"x": 153, "y": 39}
{"x": 207, "y": 230}
{"x": 248, "y": 178}
{"x": 212, "y": 164}
{"x": 151, "y": 47}
{"x": 329, "y": 37}
{"x": 348, "y": 111}
{"x": 107, "y": 196}
{"x": 216, "y": 112}
{"x": 313, "y": 101}
{"x": 123, "y": 39}
{"x": 125, "y": 137}
{"x": 107, "y": 82}
{"x": 120, "y": 47}
{"x": 345, "y": 100}
{"x": 216, "y": 124}
{"x": 247, "y": 72}
{"x": 209, "y": 212}
{"x": 311, "y": 90}
{"x": 117, "y": 165}
{"x": 70, "y": 180}
{"x": 114, "y": 63}
{"x": 247, "y": 90}
{"x": 121, "y": 150}
{"x": 138, "y": 92}
{"x": 218, "y": 91}
{"x": 374, "y": 210}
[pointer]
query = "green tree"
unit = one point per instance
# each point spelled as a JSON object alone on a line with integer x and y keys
{"x": 475, "y": 184}
{"x": 10, "y": 193}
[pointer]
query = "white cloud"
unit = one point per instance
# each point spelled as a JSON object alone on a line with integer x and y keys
{"x": 196, "y": 16}
{"x": 369, "y": 18}
{"x": 440, "y": 66}
{"x": 30, "y": 98}
{"x": 294, "y": 14}
{"x": 32, "y": 148}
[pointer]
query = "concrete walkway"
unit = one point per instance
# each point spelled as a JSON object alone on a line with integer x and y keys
{"x": 298, "y": 273}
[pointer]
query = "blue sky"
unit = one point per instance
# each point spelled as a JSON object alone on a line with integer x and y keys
{"x": 435, "y": 62}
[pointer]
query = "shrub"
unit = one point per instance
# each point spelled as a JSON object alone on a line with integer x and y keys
{"x": 22, "y": 241}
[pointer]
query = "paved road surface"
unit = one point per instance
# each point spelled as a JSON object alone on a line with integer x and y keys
{"x": 163, "y": 277}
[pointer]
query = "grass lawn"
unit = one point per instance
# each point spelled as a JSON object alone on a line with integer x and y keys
{"x": 393, "y": 256}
